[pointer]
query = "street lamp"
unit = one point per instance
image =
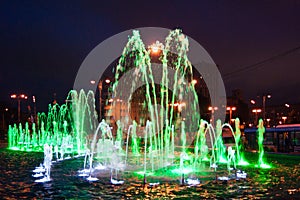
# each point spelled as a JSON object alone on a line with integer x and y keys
{"x": 284, "y": 118}
{"x": 34, "y": 108}
{"x": 264, "y": 98}
{"x": 230, "y": 109}
{"x": 268, "y": 96}
{"x": 287, "y": 105}
{"x": 212, "y": 109}
{"x": 256, "y": 111}
{"x": 268, "y": 120}
{"x": 19, "y": 97}
{"x": 252, "y": 101}
{"x": 100, "y": 87}
{"x": 3, "y": 118}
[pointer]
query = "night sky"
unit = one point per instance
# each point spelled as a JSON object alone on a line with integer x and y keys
{"x": 43, "y": 44}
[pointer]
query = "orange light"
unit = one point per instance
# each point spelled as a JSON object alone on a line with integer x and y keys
{"x": 154, "y": 49}
{"x": 212, "y": 108}
{"x": 256, "y": 110}
{"x": 13, "y": 96}
{"x": 284, "y": 117}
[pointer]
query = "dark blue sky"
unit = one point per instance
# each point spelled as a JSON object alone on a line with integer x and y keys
{"x": 43, "y": 44}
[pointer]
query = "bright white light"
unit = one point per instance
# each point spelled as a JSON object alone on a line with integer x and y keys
{"x": 287, "y": 105}
{"x": 223, "y": 178}
{"x": 92, "y": 179}
{"x": 192, "y": 182}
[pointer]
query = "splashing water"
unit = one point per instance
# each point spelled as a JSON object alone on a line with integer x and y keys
{"x": 261, "y": 131}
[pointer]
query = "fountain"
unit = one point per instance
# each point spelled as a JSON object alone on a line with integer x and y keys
{"x": 45, "y": 167}
{"x": 167, "y": 139}
{"x": 261, "y": 131}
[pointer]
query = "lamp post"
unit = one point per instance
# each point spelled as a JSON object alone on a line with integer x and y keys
{"x": 19, "y": 97}
{"x": 100, "y": 87}
{"x": 264, "y": 104}
{"x": 212, "y": 109}
{"x": 284, "y": 118}
{"x": 264, "y": 98}
{"x": 34, "y": 108}
{"x": 230, "y": 109}
{"x": 3, "y": 118}
{"x": 256, "y": 111}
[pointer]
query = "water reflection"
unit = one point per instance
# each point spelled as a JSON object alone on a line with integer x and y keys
{"x": 16, "y": 182}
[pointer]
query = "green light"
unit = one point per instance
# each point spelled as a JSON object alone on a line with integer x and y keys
{"x": 14, "y": 148}
{"x": 222, "y": 159}
{"x": 243, "y": 162}
{"x": 141, "y": 173}
{"x": 264, "y": 166}
{"x": 182, "y": 171}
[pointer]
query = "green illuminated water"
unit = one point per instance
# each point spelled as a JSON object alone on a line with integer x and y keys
{"x": 261, "y": 130}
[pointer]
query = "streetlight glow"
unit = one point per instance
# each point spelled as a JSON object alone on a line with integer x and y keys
{"x": 256, "y": 110}
{"x": 19, "y": 97}
{"x": 92, "y": 82}
{"x": 287, "y": 105}
{"x": 212, "y": 108}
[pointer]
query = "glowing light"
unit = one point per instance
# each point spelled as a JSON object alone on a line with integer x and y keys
{"x": 242, "y": 162}
{"x": 264, "y": 166}
{"x": 156, "y": 47}
{"x": 194, "y": 81}
{"x": 91, "y": 179}
{"x": 231, "y": 108}
{"x": 142, "y": 173}
{"x": 93, "y": 82}
{"x": 287, "y": 105}
{"x": 212, "y": 108}
{"x": 256, "y": 110}
{"x": 182, "y": 171}
{"x": 107, "y": 81}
